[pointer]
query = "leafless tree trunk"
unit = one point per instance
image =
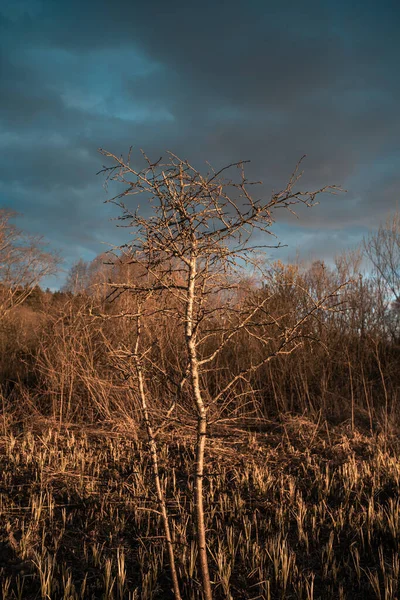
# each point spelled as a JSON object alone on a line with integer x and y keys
{"x": 151, "y": 436}
{"x": 123, "y": 357}
{"x": 201, "y": 430}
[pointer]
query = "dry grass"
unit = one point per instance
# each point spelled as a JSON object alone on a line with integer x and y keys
{"x": 295, "y": 511}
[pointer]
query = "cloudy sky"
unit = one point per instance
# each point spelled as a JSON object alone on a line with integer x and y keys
{"x": 212, "y": 81}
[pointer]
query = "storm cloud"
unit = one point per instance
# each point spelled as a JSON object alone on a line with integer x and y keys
{"x": 211, "y": 81}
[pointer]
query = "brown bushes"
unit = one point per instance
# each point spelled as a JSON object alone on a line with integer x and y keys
{"x": 59, "y": 351}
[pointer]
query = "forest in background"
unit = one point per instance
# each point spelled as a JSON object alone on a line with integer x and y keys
{"x": 54, "y": 358}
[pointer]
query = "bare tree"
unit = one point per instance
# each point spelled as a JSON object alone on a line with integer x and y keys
{"x": 383, "y": 250}
{"x": 202, "y": 234}
{"x": 24, "y": 262}
{"x": 77, "y": 278}
{"x": 89, "y": 277}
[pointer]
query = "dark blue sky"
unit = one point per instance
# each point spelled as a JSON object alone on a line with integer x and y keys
{"x": 212, "y": 81}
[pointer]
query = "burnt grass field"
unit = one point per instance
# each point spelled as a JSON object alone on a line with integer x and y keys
{"x": 294, "y": 509}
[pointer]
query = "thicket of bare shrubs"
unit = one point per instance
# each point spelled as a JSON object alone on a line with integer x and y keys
{"x": 56, "y": 349}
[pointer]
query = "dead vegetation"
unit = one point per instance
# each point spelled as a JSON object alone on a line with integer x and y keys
{"x": 292, "y": 512}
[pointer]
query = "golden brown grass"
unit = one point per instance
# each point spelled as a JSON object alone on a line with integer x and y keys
{"x": 294, "y": 511}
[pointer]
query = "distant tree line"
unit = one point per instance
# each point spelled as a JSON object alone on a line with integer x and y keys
{"x": 53, "y": 346}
